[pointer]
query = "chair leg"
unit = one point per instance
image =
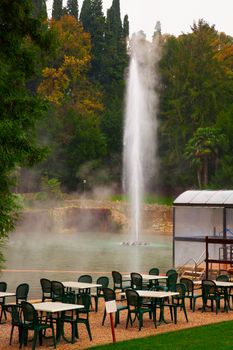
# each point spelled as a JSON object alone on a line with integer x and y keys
{"x": 34, "y": 341}
{"x": 104, "y": 317}
{"x": 88, "y": 329}
{"x": 175, "y": 315}
{"x": 185, "y": 313}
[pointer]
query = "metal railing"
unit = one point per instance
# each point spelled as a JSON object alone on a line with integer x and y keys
{"x": 196, "y": 264}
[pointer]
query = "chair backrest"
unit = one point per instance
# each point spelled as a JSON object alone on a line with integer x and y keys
{"x": 154, "y": 271}
{"x": 136, "y": 280}
{"x": 22, "y": 292}
{"x": 171, "y": 281}
{"x": 58, "y": 290}
{"x": 117, "y": 279}
{"x": 109, "y": 294}
{"x": 170, "y": 272}
{"x": 30, "y": 316}
{"x": 85, "y": 278}
{"x": 85, "y": 300}
{"x": 133, "y": 298}
{"x": 104, "y": 281}
{"x": 188, "y": 284}
{"x": 3, "y": 286}
{"x": 181, "y": 289}
{"x": 224, "y": 278}
{"x": 46, "y": 285}
{"x": 208, "y": 288}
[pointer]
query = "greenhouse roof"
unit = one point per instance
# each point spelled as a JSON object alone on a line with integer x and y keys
{"x": 205, "y": 197}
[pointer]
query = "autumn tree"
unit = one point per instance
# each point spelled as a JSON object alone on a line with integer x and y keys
{"x": 75, "y": 133}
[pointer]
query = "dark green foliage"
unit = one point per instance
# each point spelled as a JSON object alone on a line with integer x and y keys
{"x": 76, "y": 140}
{"x": 57, "y": 10}
{"x": 72, "y": 8}
{"x": 93, "y": 21}
{"x": 22, "y": 38}
{"x": 39, "y": 8}
{"x": 126, "y": 26}
{"x": 195, "y": 90}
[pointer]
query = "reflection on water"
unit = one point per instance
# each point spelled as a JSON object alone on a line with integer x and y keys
{"x": 64, "y": 256}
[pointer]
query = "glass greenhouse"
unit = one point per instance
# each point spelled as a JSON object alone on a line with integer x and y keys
{"x": 197, "y": 214}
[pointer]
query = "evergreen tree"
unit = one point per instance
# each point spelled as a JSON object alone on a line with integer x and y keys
{"x": 72, "y": 8}
{"x": 39, "y": 8}
{"x": 126, "y": 26}
{"x": 93, "y": 21}
{"x": 57, "y": 10}
{"x": 23, "y": 39}
{"x": 86, "y": 15}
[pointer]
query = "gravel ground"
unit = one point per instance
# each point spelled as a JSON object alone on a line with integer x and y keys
{"x": 102, "y": 334}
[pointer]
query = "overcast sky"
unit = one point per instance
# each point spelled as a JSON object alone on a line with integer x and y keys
{"x": 176, "y": 16}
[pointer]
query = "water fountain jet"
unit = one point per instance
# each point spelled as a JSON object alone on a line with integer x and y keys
{"x": 139, "y": 153}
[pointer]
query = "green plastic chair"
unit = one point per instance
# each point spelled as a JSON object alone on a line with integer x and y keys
{"x": 46, "y": 288}
{"x": 58, "y": 290}
{"x": 109, "y": 295}
{"x": 104, "y": 281}
{"x": 85, "y": 279}
{"x": 3, "y": 288}
{"x": 153, "y": 271}
{"x": 135, "y": 307}
{"x": 178, "y": 302}
{"x": 15, "y": 310}
{"x": 32, "y": 322}
{"x": 210, "y": 293}
{"x": 118, "y": 281}
{"x": 82, "y": 315}
{"x": 190, "y": 292}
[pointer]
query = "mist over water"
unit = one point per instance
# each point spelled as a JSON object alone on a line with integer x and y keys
{"x": 139, "y": 154}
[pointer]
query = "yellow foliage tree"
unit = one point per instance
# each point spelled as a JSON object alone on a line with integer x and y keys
{"x": 67, "y": 82}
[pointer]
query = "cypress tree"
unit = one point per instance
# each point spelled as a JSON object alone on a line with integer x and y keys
{"x": 72, "y": 8}
{"x": 57, "y": 10}
{"x": 126, "y": 26}
{"x": 86, "y": 15}
{"x": 93, "y": 21}
{"x": 39, "y": 8}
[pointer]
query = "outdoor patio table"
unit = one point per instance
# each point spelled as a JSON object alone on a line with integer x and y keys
{"x": 157, "y": 295}
{"x": 56, "y": 307}
{"x": 4, "y": 295}
{"x": 80, "y": 285}
{"x": 149, "y": 277}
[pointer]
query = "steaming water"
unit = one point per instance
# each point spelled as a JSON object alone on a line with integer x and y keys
{"x": 65, "y": 256}
{"x": 140, "y": 126}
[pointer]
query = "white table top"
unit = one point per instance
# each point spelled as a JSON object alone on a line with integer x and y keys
{"x": 80, "y": 285}
{"x": 148, "y": 277}
{"x": 6, "y": 294}
{"x": 49, "y": 306}
{"x": 156, "y": 294}
{"x": 218, "y": 283}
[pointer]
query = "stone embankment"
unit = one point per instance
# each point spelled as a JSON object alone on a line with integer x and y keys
{"x": 86, "y": 214}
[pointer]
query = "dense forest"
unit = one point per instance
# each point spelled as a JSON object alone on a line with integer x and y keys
{"x": 62, "y": 102}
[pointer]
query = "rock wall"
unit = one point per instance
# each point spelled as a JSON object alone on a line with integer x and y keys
{"x": 94, "y": 216}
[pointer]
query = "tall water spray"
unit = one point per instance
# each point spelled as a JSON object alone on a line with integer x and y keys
{"x": 139, "y": 152}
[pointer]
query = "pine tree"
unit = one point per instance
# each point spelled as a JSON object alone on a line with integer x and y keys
{"x": 72, "y": 8}
{"x": 57, "y": 10}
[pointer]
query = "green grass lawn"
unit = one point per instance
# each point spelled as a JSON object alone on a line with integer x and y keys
{"x": 217, "y": 336}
